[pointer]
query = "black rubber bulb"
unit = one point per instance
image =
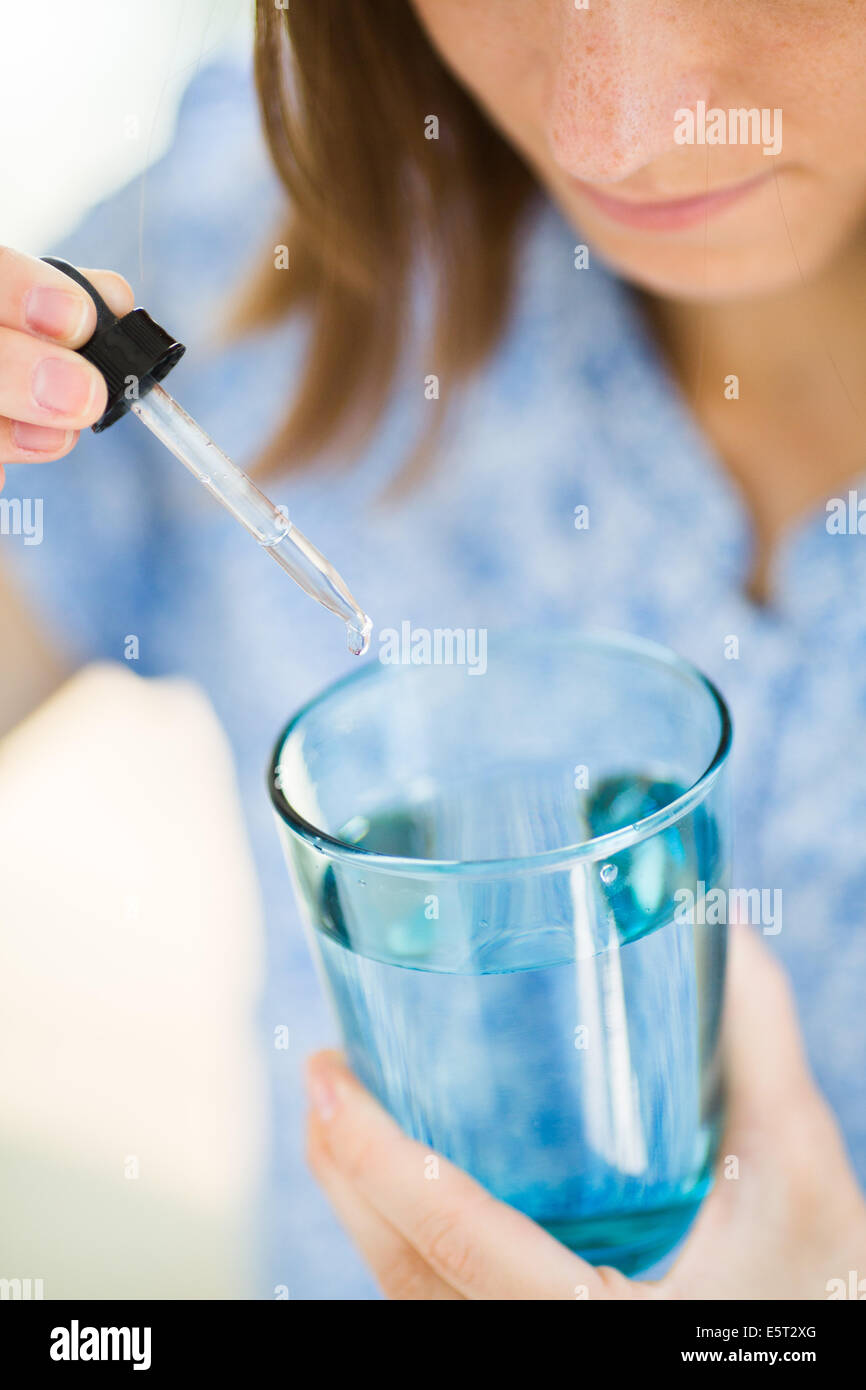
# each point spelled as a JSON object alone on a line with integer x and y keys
{"x": 133, "y": 353}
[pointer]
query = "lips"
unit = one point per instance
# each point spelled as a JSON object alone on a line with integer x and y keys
{"x": 668, "y": 214}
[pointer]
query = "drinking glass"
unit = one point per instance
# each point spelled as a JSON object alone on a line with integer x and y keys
{"x": 501, "y": 873}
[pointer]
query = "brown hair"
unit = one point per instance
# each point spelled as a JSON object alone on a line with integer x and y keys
{"x": 347, "y": 89}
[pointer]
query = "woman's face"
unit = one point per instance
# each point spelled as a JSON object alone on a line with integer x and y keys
{"x": 624, "y": 111}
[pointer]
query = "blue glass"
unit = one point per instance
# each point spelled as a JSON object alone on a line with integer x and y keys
{"x": 495, "y": 871}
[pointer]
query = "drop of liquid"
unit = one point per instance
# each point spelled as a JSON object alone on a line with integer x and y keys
{"x": 358, "y": 637}
{"x": 608, "y": 873}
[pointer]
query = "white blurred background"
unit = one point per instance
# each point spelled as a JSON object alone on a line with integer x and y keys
{"x": 89, "y": 91}
{"x": 132, "y": 1111}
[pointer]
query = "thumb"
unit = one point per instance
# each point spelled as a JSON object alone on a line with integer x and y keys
{"x": 765, "y": 1060}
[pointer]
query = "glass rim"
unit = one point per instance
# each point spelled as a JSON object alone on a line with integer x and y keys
{"x": 591, "y": 850}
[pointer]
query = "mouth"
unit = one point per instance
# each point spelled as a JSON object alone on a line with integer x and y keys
{"x": 669, "y": 214}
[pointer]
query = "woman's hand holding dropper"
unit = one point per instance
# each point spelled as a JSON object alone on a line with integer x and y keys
{"x": 47, "y": 392}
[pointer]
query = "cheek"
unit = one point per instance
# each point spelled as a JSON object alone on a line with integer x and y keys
{"x": 816, "y": 77}
{"x": 495, "y": 49}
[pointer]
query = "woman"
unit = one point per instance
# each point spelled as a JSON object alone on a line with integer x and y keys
{"x": 603, "y": 335}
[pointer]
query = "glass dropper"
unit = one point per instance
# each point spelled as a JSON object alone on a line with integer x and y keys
{"x": 134, "y": 354}
{"x": 269, "y": 524}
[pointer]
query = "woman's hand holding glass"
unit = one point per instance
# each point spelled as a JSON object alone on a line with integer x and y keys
{"x": 785, "y": 1219}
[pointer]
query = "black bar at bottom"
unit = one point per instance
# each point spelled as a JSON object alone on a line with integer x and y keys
{"x": 161, "y": 1339}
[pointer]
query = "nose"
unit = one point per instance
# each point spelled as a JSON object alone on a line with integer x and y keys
{"x": 622, "y": 70}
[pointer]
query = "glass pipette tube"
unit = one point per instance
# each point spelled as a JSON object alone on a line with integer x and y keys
{"x": 269, "y": 524}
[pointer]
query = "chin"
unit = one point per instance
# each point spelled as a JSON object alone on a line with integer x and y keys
{"x": 705, "y": 273}
{"x": 704, "y": 276}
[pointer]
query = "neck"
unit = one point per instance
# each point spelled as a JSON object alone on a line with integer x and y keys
{"x": 778, "y": 385}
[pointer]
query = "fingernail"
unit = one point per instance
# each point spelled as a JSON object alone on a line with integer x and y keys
{"x": 56, "y": 313}
{"x": 323, "y": 1093}
{"x": 43, "y": 439}
{"x": 65, "y": 387}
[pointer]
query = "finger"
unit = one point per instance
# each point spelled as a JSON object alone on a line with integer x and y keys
{"x": 765, "y": 1062}
{"x": 762, "y": 1055}
{"x": 37, "y": 298}
{"x": 398, "y": 1268}
{"x": 780, "y": 1142}
{"x": 775, "y": 1110}
{"x": 23, "y": 443}
{"x": 481, "y": 1247}
{"x": 48, "y": 385}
